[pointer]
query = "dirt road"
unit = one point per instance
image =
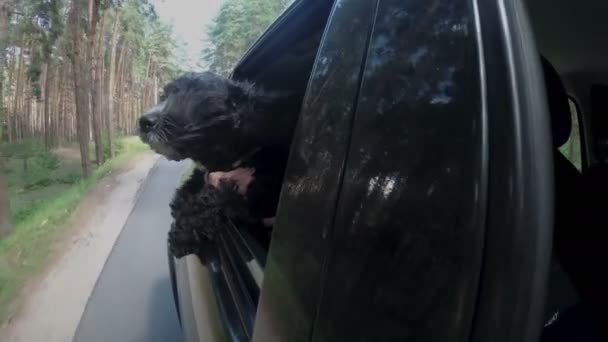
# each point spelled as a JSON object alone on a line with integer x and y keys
{"x": 52, "y": 305}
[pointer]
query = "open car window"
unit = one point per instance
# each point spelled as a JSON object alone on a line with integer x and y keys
{"x": 281, "y": 60}
{"x": 572, "y": 149}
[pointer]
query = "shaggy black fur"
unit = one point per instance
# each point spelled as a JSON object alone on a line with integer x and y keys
{"x": 216, "y": 121}
{"x": 201, "y": 211}
{"x": 220, "y": 123}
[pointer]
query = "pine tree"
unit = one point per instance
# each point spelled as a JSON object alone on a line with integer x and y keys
{"x": 236, "y": 26}
{"x": 5, "y": 12}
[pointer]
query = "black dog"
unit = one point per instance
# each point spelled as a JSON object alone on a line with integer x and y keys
{"x": 217, "y": 122}
{"x": 221, "y": 124}
{"x": 202, "y": 210}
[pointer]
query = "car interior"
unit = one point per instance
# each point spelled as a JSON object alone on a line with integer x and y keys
{"x": 574, "y": 56}
{"x": 569, "y": 36}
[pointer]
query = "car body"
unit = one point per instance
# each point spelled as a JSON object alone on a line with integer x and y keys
{"x": 418, "y": 202}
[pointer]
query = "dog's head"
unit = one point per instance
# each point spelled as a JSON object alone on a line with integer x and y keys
{"x": 199, "y": 117}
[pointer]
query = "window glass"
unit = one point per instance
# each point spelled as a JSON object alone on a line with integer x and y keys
{"x": 572, "y": 148}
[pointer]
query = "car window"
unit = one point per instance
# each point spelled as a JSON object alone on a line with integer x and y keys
{"x": 572, "y": 148}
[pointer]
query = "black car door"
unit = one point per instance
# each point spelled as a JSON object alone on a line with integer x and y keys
{"x": 418, "y": 198}
{"x": 292, "y": 276}
{"x": 443, "y": 225}
{"x": 409, "y": 230}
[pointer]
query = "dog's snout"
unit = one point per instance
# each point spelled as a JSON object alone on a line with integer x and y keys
{"x": 149, "y": 119}
{"x": 147, "y": 122}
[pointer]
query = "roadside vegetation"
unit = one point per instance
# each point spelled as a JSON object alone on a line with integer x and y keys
{"x": 75, "y": 73}
{"x": 572, "y": 148}
{"x": 45, "y": 187}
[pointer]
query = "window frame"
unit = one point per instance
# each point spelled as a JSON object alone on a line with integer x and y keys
{"x": 520, "y": 216}
{"x": 289, "y": 300}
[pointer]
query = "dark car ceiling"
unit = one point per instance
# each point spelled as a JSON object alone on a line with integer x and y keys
{"x": 573, "y": 35}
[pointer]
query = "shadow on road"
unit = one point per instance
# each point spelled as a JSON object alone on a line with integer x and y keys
{"x": 161, "y": 306}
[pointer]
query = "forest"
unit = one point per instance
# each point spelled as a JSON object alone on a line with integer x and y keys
{"x": 235, "y": 27}
{"x": 77, "y": 72}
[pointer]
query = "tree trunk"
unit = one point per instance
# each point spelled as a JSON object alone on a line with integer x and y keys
{"x": 81, "y": 98}
{"x": 59, "y": 125}
{"x": 5, "y": 14}
{"x": 47, "y": 102}
{"x": 111, "y": 86}
{"x": 9, "y": 93}
{"x": 102, "y": 92}
{"x": 54, "y": 111}
{"x": 120, "y": 76}
{"x": 96, "y": 91}
{"x": 65, "y": 118}
{"x": 18, "y": 107}
{"x": 61, "y": 109}
{"x": 155, "y": 94}
{"x": 5, "y": 209}
{"x": 17, "y": 98}
{"x": 144, "y": 91}
{"x": 99, "y": 72}
{"x": 27, "y": 118}
{"x": 91, "y": 59}
{"x": 5, "y": 212}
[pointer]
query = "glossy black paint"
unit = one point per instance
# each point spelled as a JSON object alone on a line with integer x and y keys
{"x": 406, "y": 252}
{"x": 292, "y": 279}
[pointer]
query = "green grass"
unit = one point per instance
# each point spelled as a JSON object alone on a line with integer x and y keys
{"x": 572, "y": 151}
{"x": 24, "y": 251}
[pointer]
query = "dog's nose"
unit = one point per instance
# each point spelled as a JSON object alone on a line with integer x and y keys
{"x": 146, "y": 123}
{"x": 149, "y": 118}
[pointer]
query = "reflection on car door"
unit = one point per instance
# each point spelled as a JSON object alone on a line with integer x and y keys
{"x": 292, "y": 276}
{"x": 409, "y": 229}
